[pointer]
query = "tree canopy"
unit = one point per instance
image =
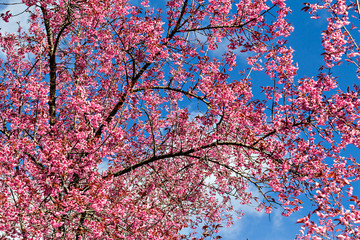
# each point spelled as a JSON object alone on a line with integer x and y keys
{"x": 118, "y": 121}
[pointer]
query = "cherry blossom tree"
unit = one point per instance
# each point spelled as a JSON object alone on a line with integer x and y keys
{"x": 100, "y": 139}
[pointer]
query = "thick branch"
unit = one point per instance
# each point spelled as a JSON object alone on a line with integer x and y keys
{"x": 81, "y": 223}
{"x": 52, "y": 61}
{"x": 135, "y": 79}
{"x": 53, "y": 68}
{"x": 178, "y": 22}
{"x": 173, "y": 89}
{"x": 122, "y": 100}
{"x": 65, "y": 24}
{"x": 185, "y": 153}
{"x": 224, "y": 143}
{"x": 37, "y": 163}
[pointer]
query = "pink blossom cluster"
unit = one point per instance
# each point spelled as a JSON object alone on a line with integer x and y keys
{"x": 126, "y": 121}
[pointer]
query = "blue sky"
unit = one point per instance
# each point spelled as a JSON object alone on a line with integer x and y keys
{"x": 306, "y": 41}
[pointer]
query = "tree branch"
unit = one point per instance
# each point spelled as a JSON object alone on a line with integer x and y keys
{"x": 135, "y": 79}
{"x": 228, "y": 26}
{"x": 192, "y": 150}
{"x": 185, "y": 153}
{"x": 53, "y": 68}
{"x": 37, "y": 163}
{"x": 175, "y": 90}
{"x": 52, "y": 61}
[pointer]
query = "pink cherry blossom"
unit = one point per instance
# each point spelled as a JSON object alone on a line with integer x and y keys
{"x": 125, "y": 120}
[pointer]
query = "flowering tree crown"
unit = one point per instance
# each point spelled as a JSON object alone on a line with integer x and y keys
{"x": 118, "y": 121}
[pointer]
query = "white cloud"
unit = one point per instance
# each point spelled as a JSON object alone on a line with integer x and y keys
{"x": 19, "y": 16}
{"x": 277, "y": 218}
{"x": 103, "y": 166}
